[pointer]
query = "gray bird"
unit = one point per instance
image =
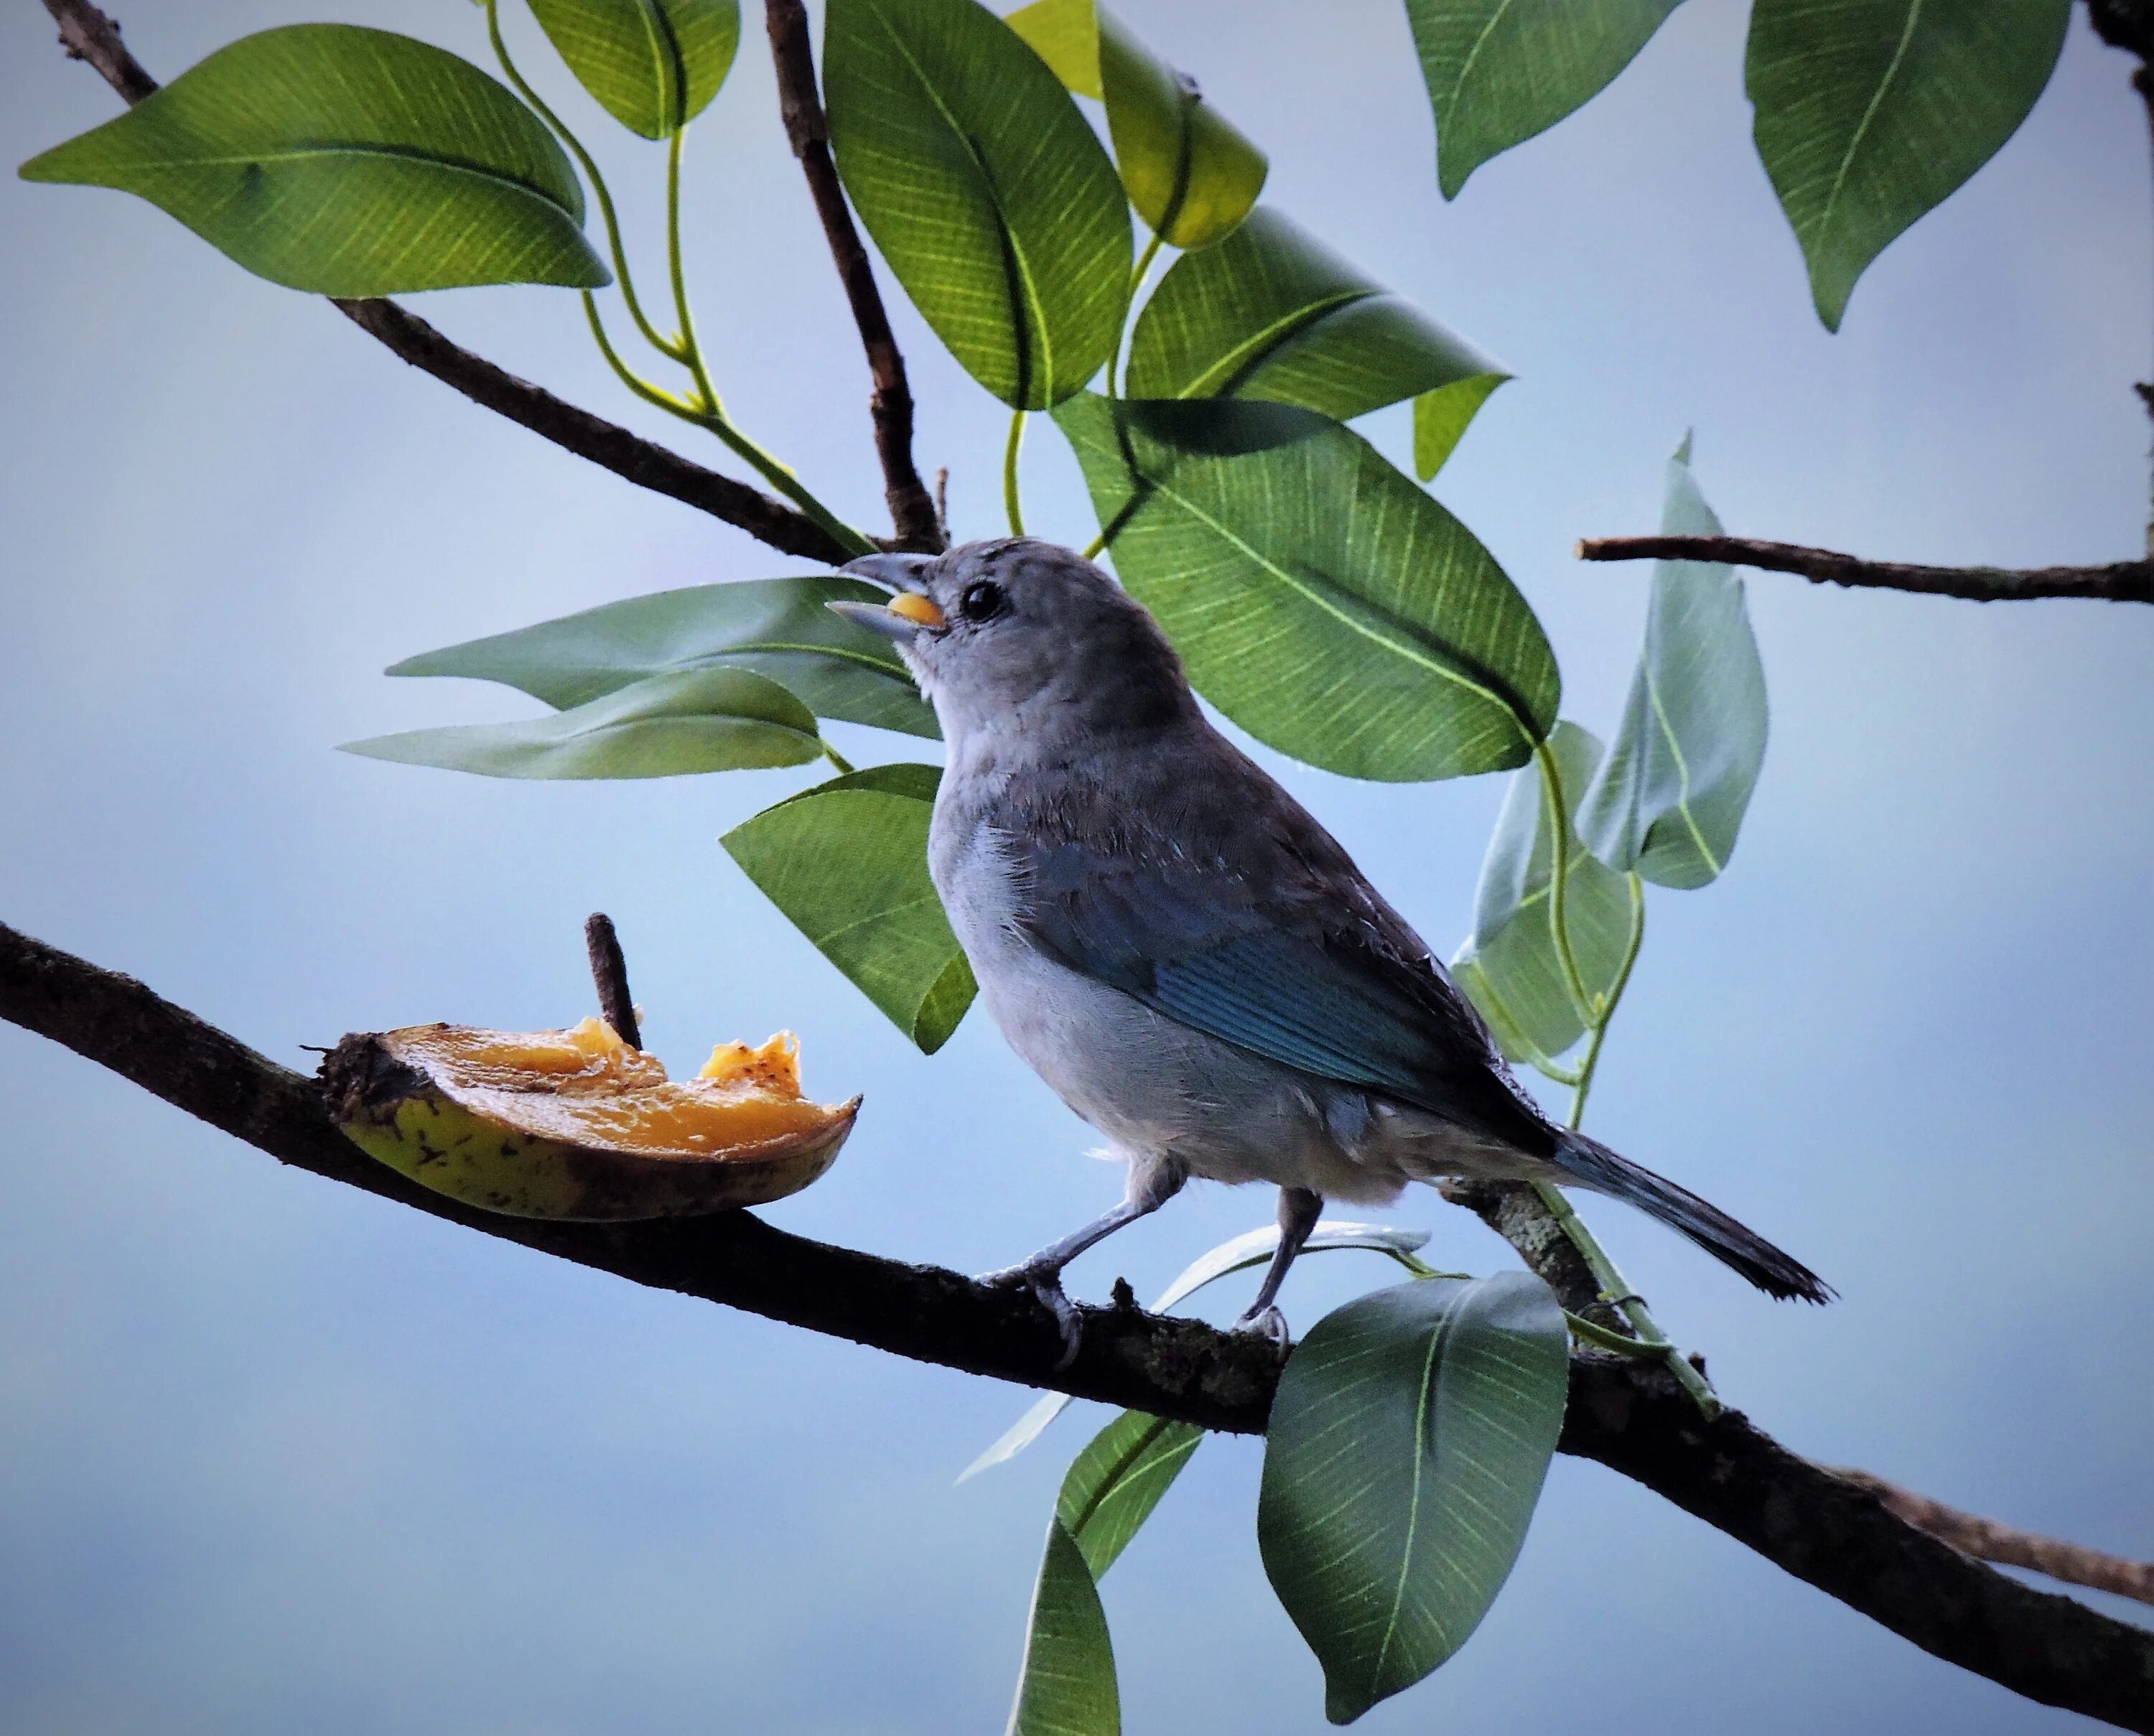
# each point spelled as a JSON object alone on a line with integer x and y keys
{"x": 1181, "y": 952}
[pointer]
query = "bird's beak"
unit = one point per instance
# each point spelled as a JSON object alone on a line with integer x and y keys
{"x": 906, "y": 613}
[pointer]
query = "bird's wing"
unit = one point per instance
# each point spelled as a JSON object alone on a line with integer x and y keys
{"x": 1219, "y": 902}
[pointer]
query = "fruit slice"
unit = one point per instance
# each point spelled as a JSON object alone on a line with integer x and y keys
{"x": 575, "y": 1124}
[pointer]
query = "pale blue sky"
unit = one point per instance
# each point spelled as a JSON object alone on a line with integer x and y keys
{"x": 273, "y": 1456}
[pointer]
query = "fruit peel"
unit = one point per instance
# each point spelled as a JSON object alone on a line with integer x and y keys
{"x": 575, "y": 1124}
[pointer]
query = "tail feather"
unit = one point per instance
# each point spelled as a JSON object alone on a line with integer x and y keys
{"x": 1592, "y": 1165}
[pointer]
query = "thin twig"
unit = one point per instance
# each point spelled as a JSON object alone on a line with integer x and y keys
{"x": 610, "y": 977}
{"x": 88, "y": 35}
{"x": 605, "y": 444}
{"x": 912, "y": 513}
{"x": 1986, "y": 1539}
{"x": 1626, "y": 1415}
{"x": 2123, "y": 581}
{"x": 2129, "y": 24}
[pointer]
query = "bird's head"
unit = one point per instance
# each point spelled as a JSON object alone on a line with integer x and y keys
{"x": 1015, "y": 632}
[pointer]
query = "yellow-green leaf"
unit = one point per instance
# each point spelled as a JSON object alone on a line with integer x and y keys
{"x": 654, "y": 65}
{"x": 1190, "y": 172}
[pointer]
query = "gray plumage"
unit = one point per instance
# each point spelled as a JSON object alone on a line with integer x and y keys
{"x": 1187, "y": 957}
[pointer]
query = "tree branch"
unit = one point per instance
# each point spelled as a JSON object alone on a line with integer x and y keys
{"x": 88, "y": 35}
{"x": 1988, "y": 1541}
{"x": 1629, "y": 1415}
{"x": 1883, "y": 1550}
{"x": 912, "y": 513}
{"x": 2123, "y": 581}
{"x": 605, "y": 444}
{"x": 2129, "y": 24}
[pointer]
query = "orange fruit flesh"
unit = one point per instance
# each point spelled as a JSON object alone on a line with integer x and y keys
{"x": 585, "y": 1087}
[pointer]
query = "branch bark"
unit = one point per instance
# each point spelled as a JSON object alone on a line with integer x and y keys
{"x": 1820, "y": 1526}
{"x": 912, "y": 512}
{"x": 88, "y": 35}
{"x": 2124, "y": 581}
{"x": 1884, "y": 1551}
{"x": 2129, "y": 24}
{"x": 1988, "y": 1541}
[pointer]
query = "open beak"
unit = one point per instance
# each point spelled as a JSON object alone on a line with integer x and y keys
{"x": 908, "y": 613}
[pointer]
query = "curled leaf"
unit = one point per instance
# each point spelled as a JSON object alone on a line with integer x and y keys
{"x": 1190, "y": 171}
{"x": 666, "y": 725}
{"x": 1669, "y": 799}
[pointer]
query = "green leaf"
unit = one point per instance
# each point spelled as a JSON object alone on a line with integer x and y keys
{"x": 1190, "y": 172}
{"x": 1407, "y": 1446}
{"x": 847, "y": 863}
{"x": 1509, "y": 965}
{"x": 1870, "y": 112}
{"x": 1441, "y": 418}
{"x": 775, "y": 627}
{"x": 1320, "y": 599}
{"x": 1669, "y": 799}
{"x": 654, "y": 65}
{"x": 703, "y": 720}
{"x": 1271, "y": 312}
{"x": 1064, "y": 33}
{"x": 1254, "y": 1248}
{"x": 1113, "y": 1485}
{"x": 1068, "y": 1686}
{"x": 350, "y": 162}
{"x": 1499, "y": 71}
{"x": 1251, "y": 1249}
{"x": 988, "y": 193}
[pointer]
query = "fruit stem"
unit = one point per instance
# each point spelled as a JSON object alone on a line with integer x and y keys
{"x": 609, "y": 971}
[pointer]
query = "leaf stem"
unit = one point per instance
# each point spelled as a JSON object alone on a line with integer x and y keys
{"x": 837, "y": 759}
{"x": 1557, "y": 811}
{"x": 1592, "y": 1332}
{"x": 691, "y": 352}
{"x": 1136, "y": 282}
{"x": 1581, "y": 1082}
{"x": 1597, "y": 1011}
{"x": 705, "y": 409}
{"x": 1012, "y": 503}
{"x": 666, "y": 346}
{"x": 670, "y": 402}
{"x": 713, "y": 415}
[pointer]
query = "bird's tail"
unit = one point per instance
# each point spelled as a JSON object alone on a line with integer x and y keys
{"x": 1592, "y": 1165}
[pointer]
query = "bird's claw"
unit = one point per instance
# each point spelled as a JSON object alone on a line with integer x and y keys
{"x": 1266, "y": 1323}
{"x": 1044, "y": 1284}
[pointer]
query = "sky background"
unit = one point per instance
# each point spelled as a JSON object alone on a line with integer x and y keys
{"x": 275, "y": 1456}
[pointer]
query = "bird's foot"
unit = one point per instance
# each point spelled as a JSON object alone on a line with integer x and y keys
{"x": 1044, "y": 1284}
{"x": 1266, "y": 1323}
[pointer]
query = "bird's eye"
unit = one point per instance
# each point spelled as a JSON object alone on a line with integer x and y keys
{"x": 981, "y": 602}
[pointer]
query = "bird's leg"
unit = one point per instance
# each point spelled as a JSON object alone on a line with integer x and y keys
{"x": 1298, "y": 1208}
{"x": 1152, "y": 1185}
